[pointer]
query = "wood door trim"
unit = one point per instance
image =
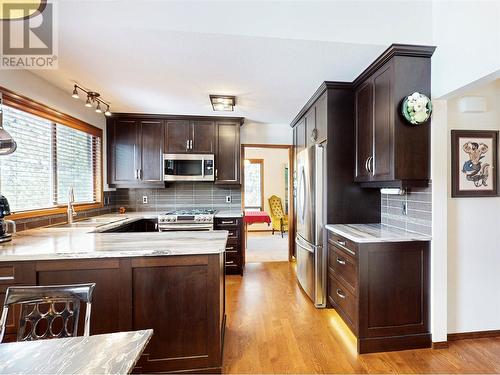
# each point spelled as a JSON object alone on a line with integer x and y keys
{"x": 291, "y": 239}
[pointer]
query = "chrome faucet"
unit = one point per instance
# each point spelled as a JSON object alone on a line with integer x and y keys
{"x": 71, "y": 211}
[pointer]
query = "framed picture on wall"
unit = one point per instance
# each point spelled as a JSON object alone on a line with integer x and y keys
{"x": 474, "y": 163}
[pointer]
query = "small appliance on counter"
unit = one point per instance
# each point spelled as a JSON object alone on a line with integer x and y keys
{"x": 5, "y": 235}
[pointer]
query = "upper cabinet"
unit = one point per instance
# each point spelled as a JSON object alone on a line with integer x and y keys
{"x": 227, "y": 155}
{"x": 134, "y": 152}
{"x": 136, "y": 144}
{"x": 185, "y": 136}
{"x": 389, "y": 151}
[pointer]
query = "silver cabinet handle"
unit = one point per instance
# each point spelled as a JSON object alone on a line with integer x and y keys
{"x": 340, "y": 293}
{"x": 191, "y": 144}
{"x": 7, "y": 278}
{"x": 139, "y": 173}
{"x": 229, "y": 248}
{"x": 215, "y": 172}
{"x": 341, "y": 243}
{"x": 366, "y": 164}
{"x": 229, "y": 262}
{"x": 372, "y": 164}
{"x": 187, "y": 145}
{"x": 340, "y": 261}
{"x": 135, "y": 174}
{"x": 227, "y": 222}
{"x": 369, "y": 164}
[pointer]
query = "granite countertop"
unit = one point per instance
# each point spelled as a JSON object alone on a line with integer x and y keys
{"x": 368, "y": 233}
{"x": 83, "y": 240}
{"x": 228, "y": 214}
{"x": 112, "y": 353}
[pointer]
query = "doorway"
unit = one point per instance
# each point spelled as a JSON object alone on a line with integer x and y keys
{"x": 267, "y": 200}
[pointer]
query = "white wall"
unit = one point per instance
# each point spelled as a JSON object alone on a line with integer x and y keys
{"x": 275, "y": 160}
{"x": 474, "y": 235}
{"x": 259, "y": 133}
{"x": 32, "y": 86}
{"x": 467, "y": 36}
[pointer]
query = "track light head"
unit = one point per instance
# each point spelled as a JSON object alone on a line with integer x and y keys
{"x": 75, "y": 93}
{"x": 107, "y": 113}
{"x": 88, "y": 103}
{"x": 98, "y": 108}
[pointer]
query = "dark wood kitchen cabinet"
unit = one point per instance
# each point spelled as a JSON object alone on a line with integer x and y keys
{"x": 389, "y": 151}
{"x": 381, "y": 291}
{"x": 227, "y": 153}
{"x": 136, "y": 144}
{"x": 135, "y": 152}
{"x": 184, "y": 136}
{"x": 180, "y": 297}
{"x": 235, "y": 247}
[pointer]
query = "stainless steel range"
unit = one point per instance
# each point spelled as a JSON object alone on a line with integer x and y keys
{"x": 200, "y": 219}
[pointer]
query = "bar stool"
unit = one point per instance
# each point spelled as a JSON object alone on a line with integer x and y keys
{"x": 62, "y": 303}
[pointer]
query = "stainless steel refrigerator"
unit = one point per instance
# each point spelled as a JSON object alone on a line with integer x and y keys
{"x": 310, "y": 254}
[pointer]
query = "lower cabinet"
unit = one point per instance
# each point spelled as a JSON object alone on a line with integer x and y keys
{"x": 235, "y": 247}
{"x": 180, "y": 297}
{"x": 381, "y": 291}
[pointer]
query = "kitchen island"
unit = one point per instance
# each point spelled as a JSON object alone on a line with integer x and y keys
{"x": 171, "y": 282}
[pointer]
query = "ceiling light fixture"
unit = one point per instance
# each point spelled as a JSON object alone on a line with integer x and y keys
{"x": 223, "y": 102}
{"x": 92, "y": 98}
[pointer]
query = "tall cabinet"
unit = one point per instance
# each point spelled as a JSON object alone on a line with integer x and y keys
{"x": 328, "y": 119}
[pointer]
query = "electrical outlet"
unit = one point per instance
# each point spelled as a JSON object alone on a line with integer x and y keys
{"x": 144, "y": 199}
{"x": 228, "y": 199}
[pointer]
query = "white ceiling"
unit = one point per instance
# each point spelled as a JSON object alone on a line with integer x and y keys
{"x": 167, "y": 57}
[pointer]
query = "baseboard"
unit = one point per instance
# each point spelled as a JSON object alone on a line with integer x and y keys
{"x": 392, "y": 343}
{"x": 473, "y": 335}
{"x": 259, "y": 230}
{"x": 440, "y": 345}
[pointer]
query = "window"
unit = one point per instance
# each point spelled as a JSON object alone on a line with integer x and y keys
{"x": 254, "y": 184}
{"x": 50, "y": 158}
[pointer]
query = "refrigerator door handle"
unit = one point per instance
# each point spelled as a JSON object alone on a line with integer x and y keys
{"x": 303, "y": 245}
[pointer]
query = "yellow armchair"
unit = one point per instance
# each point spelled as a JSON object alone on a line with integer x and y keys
{"x": 279, "y": 220}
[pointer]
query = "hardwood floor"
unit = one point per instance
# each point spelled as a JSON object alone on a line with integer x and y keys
{"x": 273, "y": 328}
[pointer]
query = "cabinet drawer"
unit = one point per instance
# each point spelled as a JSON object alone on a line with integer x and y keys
{"x": 345, "y": 244}
{"x": 233, "y": 233}
{"x": 16, "y": 273}
{"x": 221, "y": 223}
{"x": 230, "y": 248}
{"x": 344, "y": 301}
{"x": 233, "y": 257}
{"x": 344, "y": 267}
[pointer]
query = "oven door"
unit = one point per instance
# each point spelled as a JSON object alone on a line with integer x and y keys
{"x": 188, "y": 167}
{"x": 185, "y": 227}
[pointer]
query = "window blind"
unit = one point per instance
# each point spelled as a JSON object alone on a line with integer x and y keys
{"x": 50, "y": 158}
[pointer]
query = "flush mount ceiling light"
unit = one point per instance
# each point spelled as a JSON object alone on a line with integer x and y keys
{"x": 92, "y": 98}
{"x": 223, "y": 102}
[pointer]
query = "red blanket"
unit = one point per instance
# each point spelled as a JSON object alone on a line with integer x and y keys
{"x": 252, "y": 217}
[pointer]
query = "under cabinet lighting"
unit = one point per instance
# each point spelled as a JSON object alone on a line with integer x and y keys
{"x": 223, "y": 102}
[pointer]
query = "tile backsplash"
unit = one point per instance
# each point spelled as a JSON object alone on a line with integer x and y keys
{"x": 419, "y": 210}
{"x": 180, "y": 195}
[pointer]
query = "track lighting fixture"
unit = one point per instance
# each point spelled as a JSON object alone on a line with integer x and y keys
{"x": 92, "y": 98}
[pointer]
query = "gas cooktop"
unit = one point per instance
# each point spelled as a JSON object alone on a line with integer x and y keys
{"x": 191, "y": 211}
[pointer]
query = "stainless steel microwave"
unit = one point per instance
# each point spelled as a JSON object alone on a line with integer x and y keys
{"x": 188, "y": 167}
